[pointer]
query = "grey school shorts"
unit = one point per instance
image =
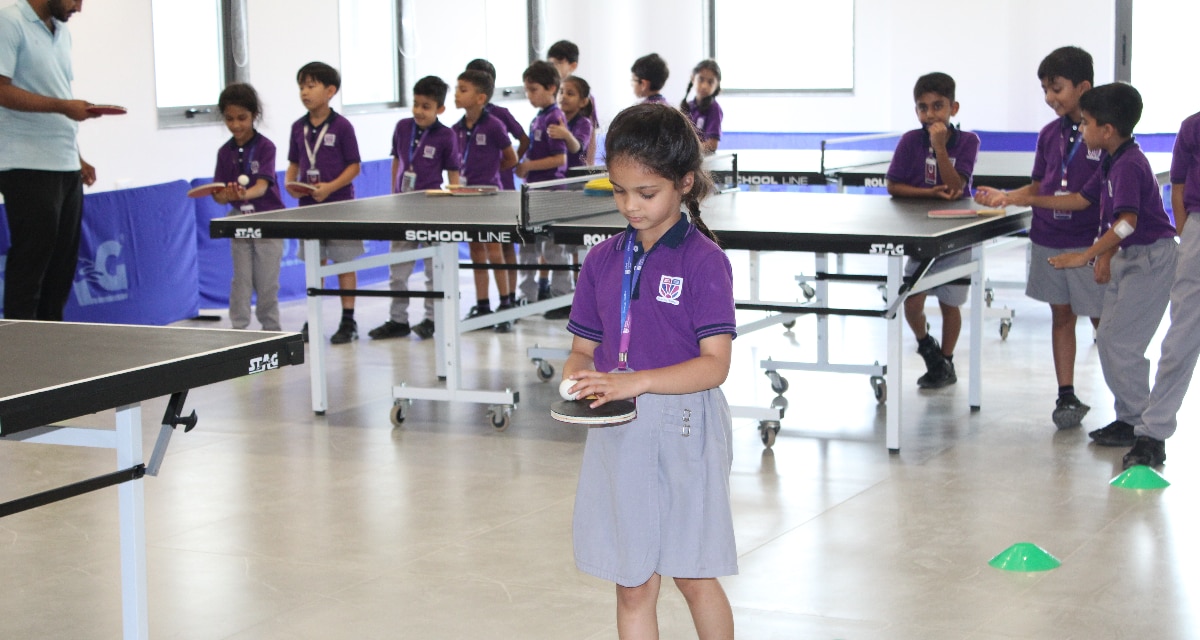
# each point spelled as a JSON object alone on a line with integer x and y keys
{"x": 954, "y": 295}
{"x": 338, "y": 250}
{"x": 1076, "y": 287}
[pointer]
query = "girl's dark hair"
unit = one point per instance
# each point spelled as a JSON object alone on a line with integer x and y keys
{"x": 585, "y": 92}
{"x": 662, "y": 139}
{"x": 703, "y": 105}
{"x": 241, "y": 95}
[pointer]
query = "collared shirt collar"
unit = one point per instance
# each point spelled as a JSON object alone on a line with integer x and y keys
{"x": 672, "y": 238}
{"x": 1125, "y": 146}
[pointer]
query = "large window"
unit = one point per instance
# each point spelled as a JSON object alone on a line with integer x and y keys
{"x": 199, "y": 46}
{"x": 784, "y": 45}
{"x": 1160, "y": 56}
{"x": 370, "y": 63}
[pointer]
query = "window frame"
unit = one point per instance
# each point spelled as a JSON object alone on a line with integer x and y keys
{"x": 403, "y": 72}
{"x": 235, "y": 55}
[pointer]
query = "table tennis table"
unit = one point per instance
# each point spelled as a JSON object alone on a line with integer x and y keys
{"x": 753, "y": 221}
{"x": 59, "y": 371}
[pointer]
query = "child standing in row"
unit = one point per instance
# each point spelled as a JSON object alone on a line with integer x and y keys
{"x": 1181, "y": 346}
{"x": 704, "y": 111}
{"x": 578, "y": 132}
{"x": 650, "y": 74}
{"x": 653, "y": 495}
{"x": 1062, "y": 164}
{"x": 935, "y": 161}
{"x": 1139, "y": 245}
{"x": 546, "y": 159}
{"x": 422, "y": 148}
{"x": 485, "y": 151}
{"x": 564, "y": 55}
{"x": 330, "y": 162}
{"x": 251, "y": 155}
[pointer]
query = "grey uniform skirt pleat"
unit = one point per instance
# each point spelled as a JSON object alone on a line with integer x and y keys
{"x": 653, "y": 494}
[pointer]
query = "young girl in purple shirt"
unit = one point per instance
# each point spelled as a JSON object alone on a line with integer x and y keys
{"x": 576, "y": 104}
{"x": 704, "y": 111}
{"x": 653, "y": 495}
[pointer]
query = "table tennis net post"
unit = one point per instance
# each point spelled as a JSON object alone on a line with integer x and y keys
{"x": 855, "y": 151}
{"x": 543, "y": 203}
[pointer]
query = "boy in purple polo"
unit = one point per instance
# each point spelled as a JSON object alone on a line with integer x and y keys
{"x": 935, "y": 161}
{"x": 323, "y": 152}
{"x": 1140, "y": 240}
{"x": 422, "y": 148}
{"x": 546, "y": 159}
{"x": 506, "y": 175}
{"x": 1061, "y": 165}
{"x": 1181, "y": 345}
{"x": 649, "y": 75}
{"x": 485, "y": 149}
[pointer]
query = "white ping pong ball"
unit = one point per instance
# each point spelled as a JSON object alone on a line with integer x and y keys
{"x": 244, "y": 180}
{"x": 564, "y": 389}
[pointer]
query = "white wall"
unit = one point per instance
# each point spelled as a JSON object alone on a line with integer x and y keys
{"x": 992, "y": 49}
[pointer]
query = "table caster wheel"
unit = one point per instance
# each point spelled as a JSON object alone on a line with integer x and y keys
{"x": 989, "y": 295}
{"x": 500, "y": 417}
{"x": 791, "y": 324}
{"x": 779, "y": 384}
{"x": 808, "y": 291}
{"x": 545, "y": 370}
{"x": 879, "y": 386}
{"x": 882, "y": 292}
{"x": 768, "y": 430}
{"x": 399, "y": 411}
{"x": 1005, "y": 327}
{"x": 781, "y": 403}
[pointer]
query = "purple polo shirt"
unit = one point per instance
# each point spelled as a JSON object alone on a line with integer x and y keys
{"x": 1125, "y": 183}
{"x": 481, "y": 148}
{"x": 255, "y": 160}
{"x": 658, "y": 97}
{"x": 1064, "y": 229}
{"x": 514, "y": 129}
{"x": 337, "y": 150}
{"x": 684, "y": 294}
{"x": 581, "y": 128}
{"x": 427, "y": 153}
{"x": 908, "y": 161}
{"x": 541, "y": 145}
{"x": 1185, "y": 163}
{"x": 708, "y": 123}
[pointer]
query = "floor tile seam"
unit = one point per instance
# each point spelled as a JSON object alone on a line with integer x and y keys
{"x": 809, "y": 519}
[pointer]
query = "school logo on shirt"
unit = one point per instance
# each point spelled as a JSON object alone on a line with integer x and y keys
{"x": 700, "y": 122}
{"x": 429, "y": 151}
{"x": 481, "y": 139}
{"x": 537, "y": 135}
{"x": 330, "y": 139}
{"x": 1094, "y": 154}
{"x": 669, "y": 288}
{"x": 254, "y": 166}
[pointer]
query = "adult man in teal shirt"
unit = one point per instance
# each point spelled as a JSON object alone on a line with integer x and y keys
{"x": 41, "y": 172}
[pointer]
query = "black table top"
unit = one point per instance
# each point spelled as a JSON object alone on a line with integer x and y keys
{"x": 56, "y": 371}
{"x": 825, "y": 222}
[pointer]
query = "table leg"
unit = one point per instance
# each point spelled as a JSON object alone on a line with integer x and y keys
{"x": 316, "y": 328}
{"x": 975, "y": 390}
{"x": 132, "y": 500}
{"x": 895, "y": 355}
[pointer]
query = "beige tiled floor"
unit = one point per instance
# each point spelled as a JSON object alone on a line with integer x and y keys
{"x": 271, "y": 522}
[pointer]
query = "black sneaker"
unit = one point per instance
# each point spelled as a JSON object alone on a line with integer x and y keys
{"x": 561, "y": 313}
{"x": 476, "y": 311}
{"x": 942, "y": 376}
{"x": 1114, "y": 434}
{"x": 390, "y": 329}
{"x": 1148, "y": 451}
{"x": 424, "y": 329}
{"x": 506, "y": 326}
{"x": 347, "y": 331}
{"x": 1068, "y": 412}
{"x": 931, "y": 352}
{"x": 304, "y": 332}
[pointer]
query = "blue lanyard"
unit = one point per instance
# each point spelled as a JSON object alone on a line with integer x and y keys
{"x": 629, "y": 281}
{"x": 416, "y": 142}
{"x": 1067, "y": 157}
{"x": 466, "y": 143}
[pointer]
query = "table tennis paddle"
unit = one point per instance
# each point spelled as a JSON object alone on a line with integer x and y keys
{"x": 301, "y": 186}
{"x": 964, "y": 213}
{"x": 480, "y": 190}
{"x": 106, "y": 110}
{"x": 609, "y": 414}
{"x": 205, "y": 190}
